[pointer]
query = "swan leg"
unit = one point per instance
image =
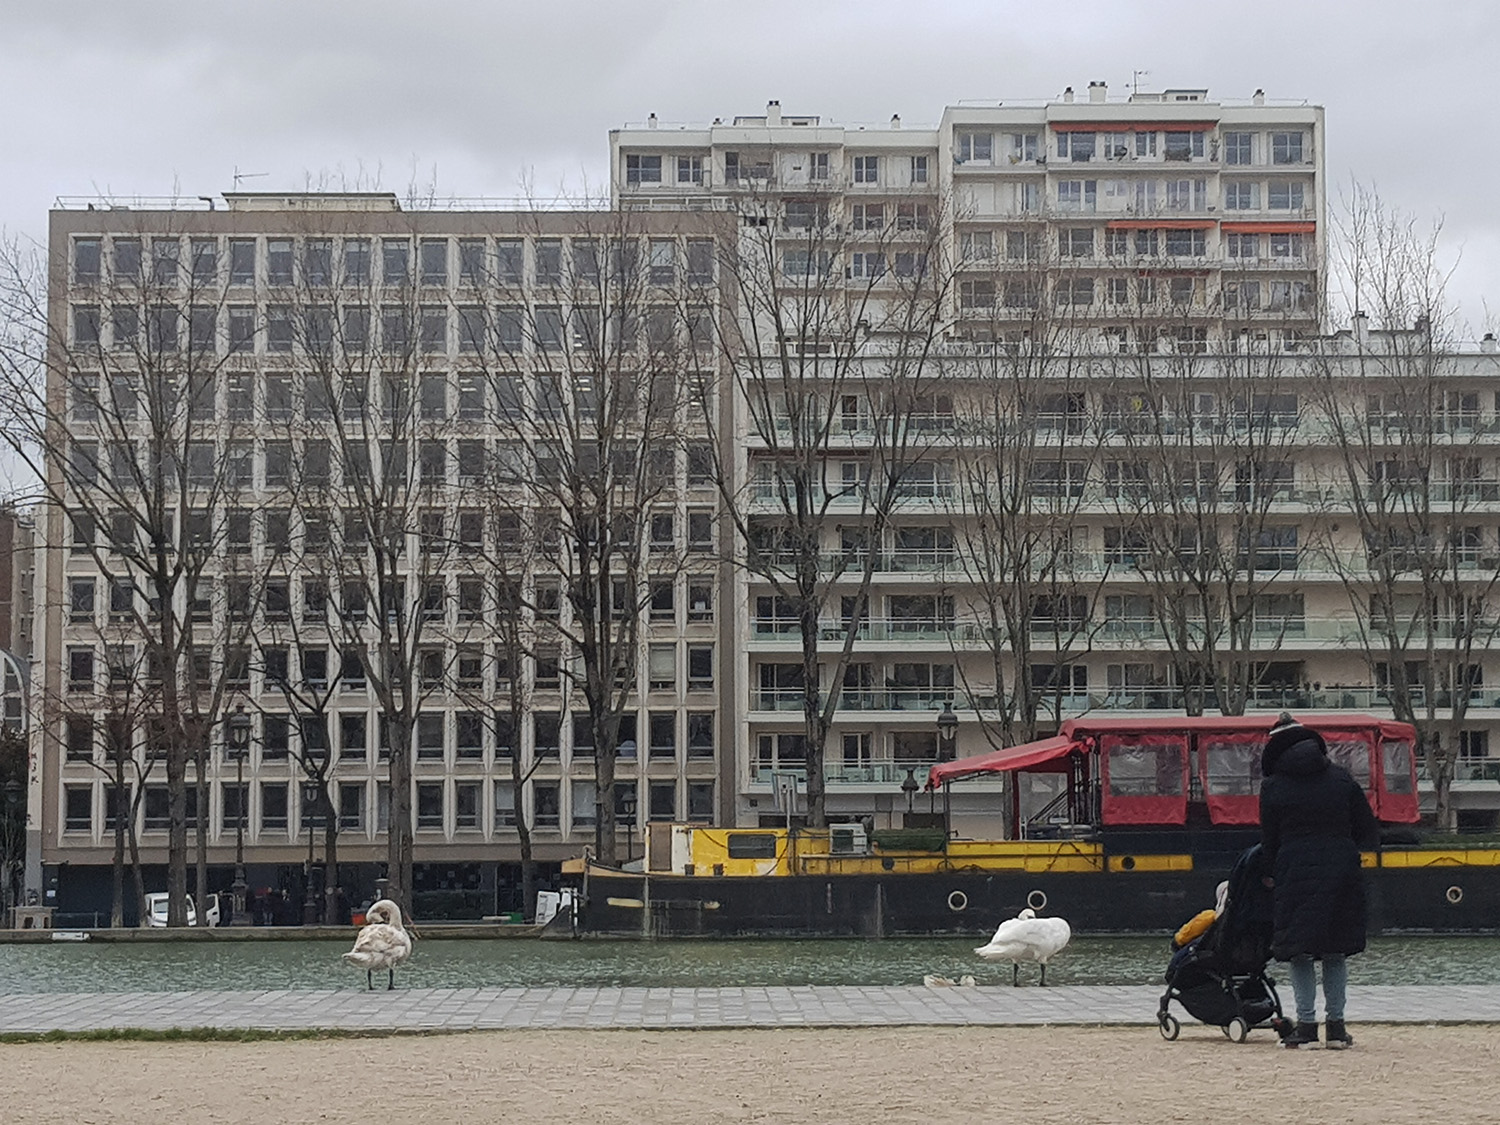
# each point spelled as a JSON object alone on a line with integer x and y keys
{"x": 390, "y": 980}
{"x": 369, "y": 980}
{"x": 1015, "y": 974}
{"x": 1044, "y": 974}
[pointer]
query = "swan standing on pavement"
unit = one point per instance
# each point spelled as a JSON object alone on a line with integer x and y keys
{"x": 1027, "y": 938}
{"x": 383, "y": 943}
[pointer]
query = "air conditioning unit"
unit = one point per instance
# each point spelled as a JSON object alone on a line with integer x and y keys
{"x": 848, "y": 839}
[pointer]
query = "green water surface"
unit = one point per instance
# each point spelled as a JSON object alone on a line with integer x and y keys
{"x": 175, "y": 966}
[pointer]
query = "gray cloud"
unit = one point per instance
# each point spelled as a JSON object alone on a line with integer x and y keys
{"x": 136, "y": 97}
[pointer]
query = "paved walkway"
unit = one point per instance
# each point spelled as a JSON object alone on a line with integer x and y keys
{"x": 467, "y": 1009}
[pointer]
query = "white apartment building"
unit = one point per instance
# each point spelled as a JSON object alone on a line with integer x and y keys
{"x": 1108, "y": 255}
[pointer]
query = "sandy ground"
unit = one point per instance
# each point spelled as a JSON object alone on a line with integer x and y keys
{"x": 1031, "y": 1075}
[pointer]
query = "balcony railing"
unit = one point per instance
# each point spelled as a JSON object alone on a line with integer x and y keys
{"x": 846, "y": 773}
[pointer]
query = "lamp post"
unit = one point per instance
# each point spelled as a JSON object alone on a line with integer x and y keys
{"x": 311, "y": 792}
{"x": 239, "y": 746}
{"x": 12, "y": 803}
{"x": 947, "y": 724}
{"x": 627, "y": 807}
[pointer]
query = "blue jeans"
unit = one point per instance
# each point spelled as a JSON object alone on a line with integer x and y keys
{"x": 1305, "y": 987}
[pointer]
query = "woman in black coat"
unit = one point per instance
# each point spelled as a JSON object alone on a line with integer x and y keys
{"x": 1314, "y": 819}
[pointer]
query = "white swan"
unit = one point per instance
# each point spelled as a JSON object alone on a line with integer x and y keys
{"x": 383, "y": 943}
{"x": 1027, "y": 938}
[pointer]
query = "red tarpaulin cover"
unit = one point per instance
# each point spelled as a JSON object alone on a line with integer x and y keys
{"x": 1155, "y": 803}
{"x": 1236, "y": 226}
{"x": 1026, "y": 756}
{"x": 1228, "y": 761}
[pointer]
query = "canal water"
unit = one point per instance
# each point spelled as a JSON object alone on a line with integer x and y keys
{"x": 175, "y": 966}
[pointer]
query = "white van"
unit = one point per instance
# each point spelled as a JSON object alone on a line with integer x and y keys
{"x": 156, "y": 910}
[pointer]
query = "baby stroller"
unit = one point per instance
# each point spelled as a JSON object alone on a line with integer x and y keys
{"x": 1220, "y": 976}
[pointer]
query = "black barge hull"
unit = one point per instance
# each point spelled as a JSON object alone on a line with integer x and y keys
{"x": 620, "y": 904}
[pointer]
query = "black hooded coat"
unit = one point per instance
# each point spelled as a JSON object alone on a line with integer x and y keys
{"x": 1314, "y": 819}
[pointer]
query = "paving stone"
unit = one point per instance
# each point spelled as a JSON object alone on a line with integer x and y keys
{"x": 600, "y": 1008}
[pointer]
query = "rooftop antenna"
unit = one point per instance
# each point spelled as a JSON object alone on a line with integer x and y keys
{"x": 1135, "y": 80}
{"x": 238, "y": 176}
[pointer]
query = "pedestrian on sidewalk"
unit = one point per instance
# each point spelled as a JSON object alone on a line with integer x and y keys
{"x": 1314, "y": 819}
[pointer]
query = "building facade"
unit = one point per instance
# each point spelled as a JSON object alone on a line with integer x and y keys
{"x": 1131, "y": 473}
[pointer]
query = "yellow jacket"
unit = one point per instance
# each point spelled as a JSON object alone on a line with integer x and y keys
{"x": 1193, "y": 927}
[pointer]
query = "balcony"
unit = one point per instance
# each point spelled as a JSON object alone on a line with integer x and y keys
{"x": 844, "y": 773}
{"x": 851, "y": 699}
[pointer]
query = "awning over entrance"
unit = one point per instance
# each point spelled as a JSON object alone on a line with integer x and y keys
{"x": 1026, "y": 756}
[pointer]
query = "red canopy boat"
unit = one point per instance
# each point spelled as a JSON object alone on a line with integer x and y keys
{"x": 1146, "y": 770}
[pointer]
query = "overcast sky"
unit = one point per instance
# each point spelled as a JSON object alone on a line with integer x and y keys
{"x": 152, "y": 97}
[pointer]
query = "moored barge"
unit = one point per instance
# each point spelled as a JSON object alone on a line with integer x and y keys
{"x": 1150, "y": 818}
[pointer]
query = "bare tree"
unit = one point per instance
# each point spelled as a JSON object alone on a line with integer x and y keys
{"x": 1203, "y": 459}
{"x": 112, "y": 406}
{"x": 827, "y": 350}
{"x": 589, "y": 382}
{"x": 1027, "y": 448}
{"x": 1412, "y": 478}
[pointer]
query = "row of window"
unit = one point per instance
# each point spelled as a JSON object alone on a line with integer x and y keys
{"x": 437, "y": 806}
{"x": 439, "y": 736}
{"x": 1150, "y": 196}
{"x": 646, "y": 169}
{"x": 1240, "y": 147}
{"x": 465, "y": 536}
{"x": 400, "y": 330}
{"x": 1125, "y": 292}
{"x": 466, "y": 669}
{"x": 1152, "y": 242}
{"x": 204, "y": 260}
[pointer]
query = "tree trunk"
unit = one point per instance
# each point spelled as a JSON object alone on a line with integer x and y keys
{"x": 330, "y": 862}
{"x": 604, "y": 774}
{"x": 200, "y": 756}
{"x": 117, "y": 875}
{"x": 399, "y": 833}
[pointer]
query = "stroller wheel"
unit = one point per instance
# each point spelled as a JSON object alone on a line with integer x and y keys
{"x": 1237, "y": 1029}
{"x": 1168, "y": 1026}
{"x": 1225, "y": 1029}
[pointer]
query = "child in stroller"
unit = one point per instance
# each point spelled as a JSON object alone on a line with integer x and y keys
{"x": 1219, "y": 976}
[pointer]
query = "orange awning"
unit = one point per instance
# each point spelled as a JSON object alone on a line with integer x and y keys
{"x": 1162, "y": 224}
{"x": 1243, "y": 227}
{"x": 1132, "y": 126}
{"x": 1011, "y": 758}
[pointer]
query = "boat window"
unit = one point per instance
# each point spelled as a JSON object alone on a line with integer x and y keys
{"x": 1231, "y": 768}
{"x": 1354, "y": 755}
{"x": 1396, "y": 764}
{"x": 752, "y": 845}
{"x": 1151, "y": 770}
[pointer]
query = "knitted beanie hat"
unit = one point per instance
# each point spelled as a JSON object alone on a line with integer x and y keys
{"x": 1287, "y": 732}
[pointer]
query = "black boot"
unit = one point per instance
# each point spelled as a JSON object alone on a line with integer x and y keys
{"x": 1303, "y": 1035}
{"x": 1338, "y": 1037}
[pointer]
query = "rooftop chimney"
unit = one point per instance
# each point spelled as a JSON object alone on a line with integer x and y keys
{"x": 651, "y": 122}
{"x": 1098, "y": 92}
{"x": 1361, "y": 327}
{"x": 895, "y": 121}
{"x": 1487, "y": 345}
{"x": 773, "y": 113}
{"x": 1068, "y": 96}
{"x": 1260, "y": 97}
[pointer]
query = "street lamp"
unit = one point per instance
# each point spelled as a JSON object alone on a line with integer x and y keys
{"x": 239, "y": 747}
{"x": 947, "y": 724}
{"x": 311, "y": 795}
{"x": 12, "y": 803}
{"x": 628, "y": 806}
